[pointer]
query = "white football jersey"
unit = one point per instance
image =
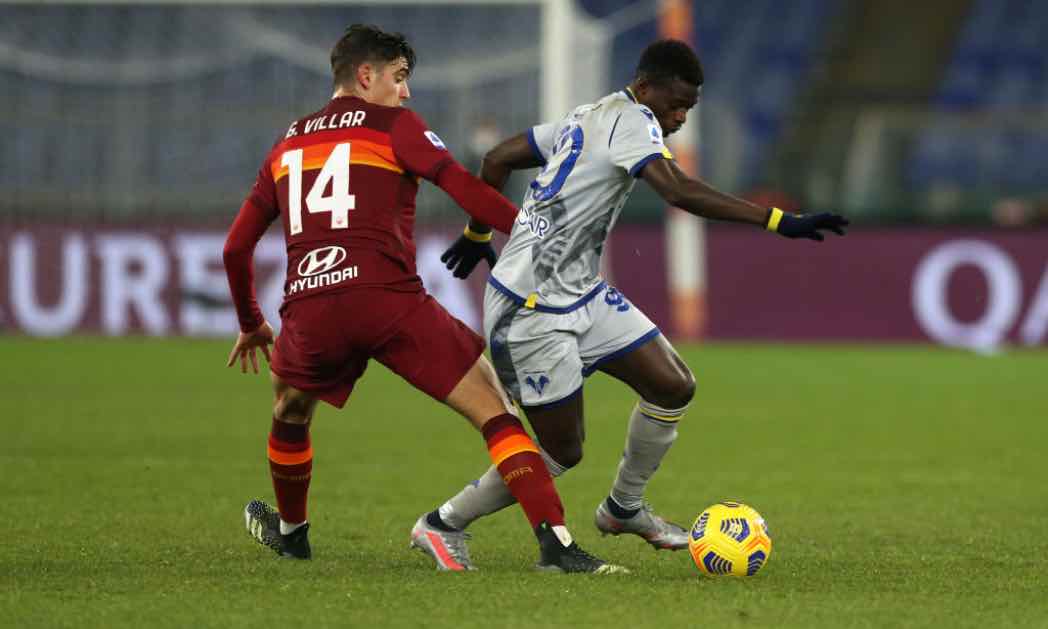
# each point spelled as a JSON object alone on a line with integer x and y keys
{"x": 592, "y": 156}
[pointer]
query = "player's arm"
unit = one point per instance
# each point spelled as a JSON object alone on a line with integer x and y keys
{"x": 422, "y": 153}
{"x": 699, "y": 198}
{"x": 255, "y": 216}
{"x": 517, "y": 153}
{"x": 482, "y": 202}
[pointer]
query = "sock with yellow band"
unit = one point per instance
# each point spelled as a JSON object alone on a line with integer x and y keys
{"x": 652, "y": 430}
{"x": 523, "y": 470}
{"x": 482, "y": 497}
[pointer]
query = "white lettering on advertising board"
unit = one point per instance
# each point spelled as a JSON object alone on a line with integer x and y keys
{"x": 1003, "y": 303}
{"x": 173, "y": 285}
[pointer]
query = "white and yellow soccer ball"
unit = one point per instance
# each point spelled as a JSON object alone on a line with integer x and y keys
{"x": 730, "y": 538}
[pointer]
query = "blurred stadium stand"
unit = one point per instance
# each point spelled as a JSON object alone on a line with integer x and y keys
{"x": 888, "y": 109}
{"x": 137, "y": 110}
{"x": 929, "y": 112}
{"x": 995, "y": 82}
{"x": 752, "y": 80}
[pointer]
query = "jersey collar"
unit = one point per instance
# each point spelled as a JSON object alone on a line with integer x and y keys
{"x": 629, "y": 94}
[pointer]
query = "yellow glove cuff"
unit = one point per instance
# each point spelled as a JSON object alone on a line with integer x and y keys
{"x": 773, "y": 220}
{"x": 477, "y": 236}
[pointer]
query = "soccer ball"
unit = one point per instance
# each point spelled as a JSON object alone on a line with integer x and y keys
{"x": 730, "y": 538}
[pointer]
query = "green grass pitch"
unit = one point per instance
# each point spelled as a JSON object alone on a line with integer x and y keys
{"x": 904, "y": 486}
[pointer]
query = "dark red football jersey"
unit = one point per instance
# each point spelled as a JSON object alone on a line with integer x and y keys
{"x": 343, "y": 181}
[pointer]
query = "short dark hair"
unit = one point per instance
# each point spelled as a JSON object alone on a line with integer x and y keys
{"x": 669, "y": 59}
{"x": 368, "y": 43}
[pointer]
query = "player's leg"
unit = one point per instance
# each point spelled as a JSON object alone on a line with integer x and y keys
{"x": 488, "y": 494}
{"x": 518, "y": 464}
{"x": 558, "y": 428}
{"x": 531, "y": 356}
{"x": 626, "y": 345}
{"x": 454, "y": 371}
{"x": 314, "y": 359}
{"x": 290, "y": 454}
{"x": 537, "y": 356}
{"x": 665, "y": 386}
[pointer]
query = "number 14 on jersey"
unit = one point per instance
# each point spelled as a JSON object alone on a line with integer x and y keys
{"x": 335, "y": 171}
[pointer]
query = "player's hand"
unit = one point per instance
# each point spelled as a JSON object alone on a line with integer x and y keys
{"x": 464, "y": 255}
{"x": 244, "y": 348}
{"x": 805, "y": 225}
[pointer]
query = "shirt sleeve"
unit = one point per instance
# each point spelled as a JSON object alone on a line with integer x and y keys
{"x": 540, "y": 137}
{"x": 480, "y": 200}
{"x": 250, "y": 224}
{"x": 418, "y": 149}
{"x": 636, "y": 139}
{"x": 263, "y": 194}
{"x": 258, "y": 211}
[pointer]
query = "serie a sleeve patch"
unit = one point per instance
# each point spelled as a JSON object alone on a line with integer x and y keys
{"x": 435, "y": 140}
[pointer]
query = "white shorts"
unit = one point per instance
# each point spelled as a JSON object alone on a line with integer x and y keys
{"x": 542, "y": 357}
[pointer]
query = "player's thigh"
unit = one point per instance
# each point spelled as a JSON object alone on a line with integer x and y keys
{"x": 656, "y": 372}
{"x": 535, "y": 353}
{"x": 316, "y": 351}
{"x": 479, "y": 396}
{"x": 624, "y": 343}
{"x": 432, "y": 350}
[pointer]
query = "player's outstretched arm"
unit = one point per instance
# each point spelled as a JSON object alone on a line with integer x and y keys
{"x": 701, "y": 199}
{"x": 474, "y": 244}
{"x": 251, "y": 222}
{"x": 479, "y": 200}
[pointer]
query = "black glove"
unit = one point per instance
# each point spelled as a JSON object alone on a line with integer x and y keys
{"x": 804, "y": 225}
{"x": 466, "y": 252}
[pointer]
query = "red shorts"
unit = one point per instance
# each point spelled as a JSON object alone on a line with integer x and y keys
{"x": 325, "y": 342}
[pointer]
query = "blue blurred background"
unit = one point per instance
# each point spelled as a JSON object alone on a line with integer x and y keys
{"x": 895, "y": 112}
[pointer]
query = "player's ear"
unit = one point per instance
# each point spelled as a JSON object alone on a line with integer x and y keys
{"x": 365, "y": 75}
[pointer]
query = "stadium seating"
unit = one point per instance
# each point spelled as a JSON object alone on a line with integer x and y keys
{"x": 173, "y": 107}
{"x": 999, "y": 66}
{"x": 758, "y": 76}
{"x": 750, "y": 76}
{"x": 201, "y": 96}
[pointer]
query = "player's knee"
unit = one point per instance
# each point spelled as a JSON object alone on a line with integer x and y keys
{"x": 676, "y": 392}
{"x": 567, "y": 455}
{"x": 292, "y": 409}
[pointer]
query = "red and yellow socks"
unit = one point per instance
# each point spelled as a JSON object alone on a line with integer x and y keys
{"x": 291, "y": 466}
{"x": 513, "y": 452}
{"x": 523, "y": 470}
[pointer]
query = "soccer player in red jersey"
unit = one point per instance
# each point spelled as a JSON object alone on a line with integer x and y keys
{"x": 343, "y": 182}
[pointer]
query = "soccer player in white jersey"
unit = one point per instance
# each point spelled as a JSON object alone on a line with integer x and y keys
{"x": 551, "y": 320}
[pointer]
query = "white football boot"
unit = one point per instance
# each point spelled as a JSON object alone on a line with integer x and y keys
{"x": 654, "y": 529}
{"x": 447, "y": 548}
